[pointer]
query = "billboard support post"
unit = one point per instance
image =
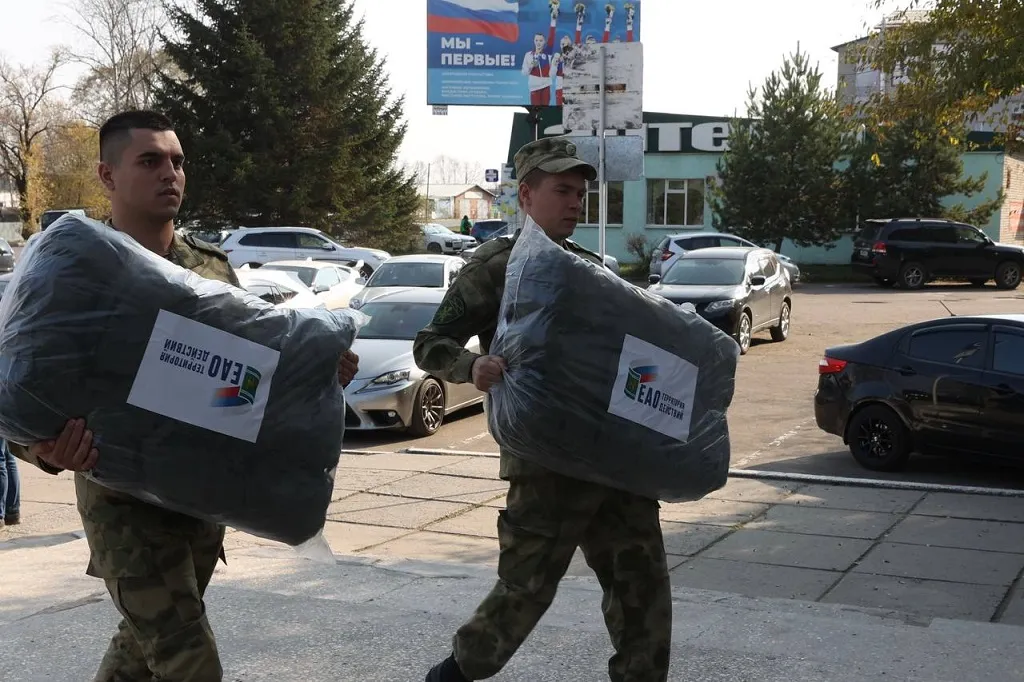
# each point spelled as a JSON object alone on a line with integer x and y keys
{"x": 602, "y": 185}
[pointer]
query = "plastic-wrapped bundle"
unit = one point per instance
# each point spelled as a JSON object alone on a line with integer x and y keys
{"x": 203, "y": 398}
{"x": 606, "y": 382}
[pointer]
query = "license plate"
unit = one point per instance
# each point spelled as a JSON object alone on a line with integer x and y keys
{"x": 863, "y": 253}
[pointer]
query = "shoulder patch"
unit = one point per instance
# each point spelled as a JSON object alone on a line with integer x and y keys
{"x": 451, "y": 309}
{"x": 200, "y": 245}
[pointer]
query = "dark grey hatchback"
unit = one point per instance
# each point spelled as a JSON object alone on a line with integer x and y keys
{"x": 6, "y": 257}
{"x": 742, "y": 291}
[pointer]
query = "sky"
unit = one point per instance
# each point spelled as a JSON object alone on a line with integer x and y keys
{"x": 699, "y": 58}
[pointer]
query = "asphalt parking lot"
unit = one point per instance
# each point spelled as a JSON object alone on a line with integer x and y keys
{"x": 772, "y": 416}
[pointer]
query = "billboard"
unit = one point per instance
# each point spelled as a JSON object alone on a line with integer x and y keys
{"x": 512, "y": 52}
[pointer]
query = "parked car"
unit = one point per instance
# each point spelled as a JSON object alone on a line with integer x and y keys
{"x": 333, "y": 284}
{"x": 401, "y": 272}
{"x": 279, "y": 288}
{"x": 50, "y": 217}
{"x": 7, "y": 260}
{"x": 440, "y": 239}
{"x": 740, "y": 290}
{"x": 611, "y": 262}
{"x": 485, "y": 230}
{"x": 953, "y": 385}
{"x": 258, "y": 245}
{"x": 5, "y": 281}
{"x": 910, "y": 252}
{"x": 390, "y": 391}
{"x": 670, "y": 248}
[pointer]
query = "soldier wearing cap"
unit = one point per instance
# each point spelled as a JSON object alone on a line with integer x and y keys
{"x": 547, "y": 516}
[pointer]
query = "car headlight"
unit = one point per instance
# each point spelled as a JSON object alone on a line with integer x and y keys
{"x": 387, "y": 380}
{"x": 355, "y": 304}
{"x": 718, "y": 306}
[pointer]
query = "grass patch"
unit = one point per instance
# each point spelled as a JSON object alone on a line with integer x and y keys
{"x": 635, "y": 273}
{"x": 830, "y": 274}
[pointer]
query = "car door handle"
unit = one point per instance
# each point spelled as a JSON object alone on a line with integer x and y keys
{"x": 1004, "y": 389}
{"x": 907, "y": 371}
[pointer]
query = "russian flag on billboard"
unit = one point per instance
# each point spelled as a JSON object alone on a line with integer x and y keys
{"x": 498, "y": 18}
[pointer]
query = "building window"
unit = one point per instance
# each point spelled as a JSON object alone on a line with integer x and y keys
{"x": 675, "y": 202}
{"x": 592, "y": 204}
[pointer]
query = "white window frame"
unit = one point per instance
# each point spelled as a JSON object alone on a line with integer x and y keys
{"x": 685, "y": 191}
{"x": 594, "y": 188}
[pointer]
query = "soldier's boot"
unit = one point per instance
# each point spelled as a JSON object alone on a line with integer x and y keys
{"x": 11, "y": 519}
{"x": 447, "y": 671}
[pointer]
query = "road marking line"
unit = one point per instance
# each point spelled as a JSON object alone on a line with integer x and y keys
{"x": 774, "y": 444}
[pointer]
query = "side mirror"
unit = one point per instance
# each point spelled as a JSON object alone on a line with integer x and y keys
{"x": 757, "y": 281}
{"x": 654, "y": 279}
{"x": 328, "y": 247}
{"x": 361, "y": 281}
{"x": 319, "y": 288}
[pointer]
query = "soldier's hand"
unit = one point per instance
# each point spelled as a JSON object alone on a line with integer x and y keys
{"x": 487, "y": 371}
{"x": 348, "y": 365}
{"x": 71, "y": 451}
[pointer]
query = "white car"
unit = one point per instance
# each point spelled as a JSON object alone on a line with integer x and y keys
{"x": 279, "y": 288}
{"x": 439, "y": 239}
{"x": 333, "y": 284}
{"x": 256, "y": 246}
{"x": 669, "y": 250}
{"x": 404, "y": 272}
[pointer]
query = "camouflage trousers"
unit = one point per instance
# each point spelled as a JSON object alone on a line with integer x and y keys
{"x": 156, "y": 565}
{"x": 547, "y": 516}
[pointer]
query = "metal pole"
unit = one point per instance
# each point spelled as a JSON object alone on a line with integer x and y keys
{"x": 430, "y": 215}
{"x": 603, "y": 193}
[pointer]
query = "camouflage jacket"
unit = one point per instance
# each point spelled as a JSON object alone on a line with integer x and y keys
{"x": 188, "y": 252}
{"x": 470, "y": 308}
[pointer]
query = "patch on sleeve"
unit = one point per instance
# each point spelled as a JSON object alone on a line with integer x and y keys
{"x": 450, "y": 310}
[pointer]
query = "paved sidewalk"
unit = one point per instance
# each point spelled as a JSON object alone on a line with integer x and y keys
{"x": 283, "y": 619}
{"x": 925, "y": 555}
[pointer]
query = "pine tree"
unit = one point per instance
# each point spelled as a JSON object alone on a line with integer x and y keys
{"x": 287, "y": 118}
{"x": 905, "y": 168}
{"x": 778, "y": 179}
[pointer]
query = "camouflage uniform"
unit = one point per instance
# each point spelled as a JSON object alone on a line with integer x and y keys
{"x": 547, "y": 516}
{"x": 156, "y": 563}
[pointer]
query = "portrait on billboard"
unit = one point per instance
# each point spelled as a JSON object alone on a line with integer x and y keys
{"x": 514, "y": 52}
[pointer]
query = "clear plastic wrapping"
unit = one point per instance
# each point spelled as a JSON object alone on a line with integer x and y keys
{"x": 607, "y": 382}
{"x": 203, "y": 398}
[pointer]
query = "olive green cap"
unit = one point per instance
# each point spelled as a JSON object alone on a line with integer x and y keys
{"x": 551, "y": 155}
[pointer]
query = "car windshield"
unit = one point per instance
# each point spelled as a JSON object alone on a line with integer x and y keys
{"x": 706, "y": 271}
{"x": 436, "y": 229}
{"x": 408, "y": 275}
{"x": 304, "y": 275}
{"x": 394, "y": 320}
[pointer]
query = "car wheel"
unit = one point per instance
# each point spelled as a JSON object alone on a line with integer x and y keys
{"x": 978, "y": 282}
{"x": 434, "y": 247}
{"x": 885, "y": 283}
{"x": 878, "y": 439}
{"x": 1008, "y": 275}
{"x": 781, "y": 332}
{"x": 743, "y": 333}
{"x": 913, "y": 276}
{"x": 428, "y": 413}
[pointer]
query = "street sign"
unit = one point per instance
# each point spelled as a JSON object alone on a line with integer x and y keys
{"x": 440, "y": 110}
{"x": 491, "y": 175}
{"x": 623, "y": 91}
{"x": 624, "y": 156}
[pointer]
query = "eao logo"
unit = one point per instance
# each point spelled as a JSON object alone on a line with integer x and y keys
{"x": 639, "y": 376}
{"x": 244, "y": 379}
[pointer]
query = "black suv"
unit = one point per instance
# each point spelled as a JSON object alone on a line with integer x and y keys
{"x": 911, "y": 252}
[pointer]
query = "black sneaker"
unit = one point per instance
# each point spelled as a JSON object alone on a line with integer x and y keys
{"x": 447, "y": 671}
{"x": 13, "y": 519}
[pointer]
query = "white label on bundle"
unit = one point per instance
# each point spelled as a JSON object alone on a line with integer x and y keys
{"x": 654, "y": 388}
{"x": 205, "y": 377}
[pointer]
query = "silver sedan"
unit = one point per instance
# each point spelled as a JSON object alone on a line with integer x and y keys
{"x": 390, "y": 391}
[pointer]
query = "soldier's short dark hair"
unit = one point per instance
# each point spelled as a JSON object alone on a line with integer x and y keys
{"x": 116, "y": 133}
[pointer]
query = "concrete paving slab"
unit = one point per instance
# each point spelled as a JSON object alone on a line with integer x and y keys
{"x": 929, "y": 598}
{"x": 790, "y": 549}
{"x": 442, "y": 547}
{"x": 386, "y": 510}
{"x": 46, "y": 488}
{"x": 480, "y": 522}
{"x": 439, "y": 487}
{"x": 1014, "y": 612}
{"x": 972, "y": 507}
{"x": 358, "y": 480}
{"x": 752, "y": 580}
{"x": 686, "y": 539}
{"x": 942, "y": 563}
{"x": 856, "y": 498}
{"x": 44, "y": 518}
{"x": 479, "y": 467}
{"x": 822, "y": 521}
{"x": 394, "y": 461}
{"x": 749, "y": 490}
{"x": 349, "y": 538}
{"x": 992, "y": 536}
{"x": 712, "y": 512}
